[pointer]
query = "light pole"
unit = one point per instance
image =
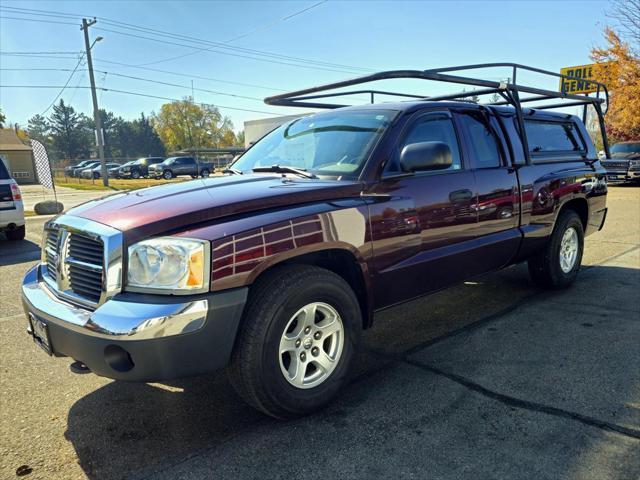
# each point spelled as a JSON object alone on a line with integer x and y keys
{"x": 96, "y": 112}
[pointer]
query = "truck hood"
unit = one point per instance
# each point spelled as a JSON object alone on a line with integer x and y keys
{"x": 167, "y": 208}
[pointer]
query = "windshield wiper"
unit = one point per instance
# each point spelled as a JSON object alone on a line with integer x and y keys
{"x": 233, "y": 171}
{"x": 285, "y": 169}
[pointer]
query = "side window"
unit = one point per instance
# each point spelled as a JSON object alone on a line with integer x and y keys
{"x": 482, "y": 140}
{"x": 552, "y": 137}
{"x": 430, "y": 128}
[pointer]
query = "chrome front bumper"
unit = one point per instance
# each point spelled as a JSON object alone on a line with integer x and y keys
{"x": 161, "y": 337}
{"x": 121, "y": 320}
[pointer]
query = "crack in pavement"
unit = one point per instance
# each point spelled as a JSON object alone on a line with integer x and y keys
{"x": 510, "y": 400}
{"x": 503, "y": 398}
{"x": 527, "y": 404}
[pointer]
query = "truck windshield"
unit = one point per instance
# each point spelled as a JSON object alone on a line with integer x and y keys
{"x": 334, "y": 144}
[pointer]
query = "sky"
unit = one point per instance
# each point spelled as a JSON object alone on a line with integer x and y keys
{"x": 253, "y": 44}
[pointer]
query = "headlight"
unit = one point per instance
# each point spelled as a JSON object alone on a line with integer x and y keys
{"x": 634, "y": 163}
{"x": 169, "y": 265}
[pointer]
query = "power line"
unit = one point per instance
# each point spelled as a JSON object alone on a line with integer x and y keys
{"x": 183, "y": 38}
{"x": 167, "y": 42}
{"x": 4, "y": 52}
{"x": 3, "y": 17}
{"x": 214, "y": 92}
{"x": 175, "y": 36}
{"x": 138, "y": 94}
{"x": 243, "y": 35}
{"x": 168, "y": 72}
{"x": 65, "y": 85}
{"x": 44, "y": 13}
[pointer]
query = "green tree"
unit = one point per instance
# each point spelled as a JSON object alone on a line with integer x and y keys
{"x": 185, "y": 124}
{"x": 147, "y": 141}
{"x": 69, "y": 132}
{"x": 240, "y": 139}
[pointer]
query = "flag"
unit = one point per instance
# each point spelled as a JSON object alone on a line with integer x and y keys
{"x": 43, "y": 166}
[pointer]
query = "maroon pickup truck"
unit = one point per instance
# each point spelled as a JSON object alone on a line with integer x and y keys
{"x": 274, "y": 269}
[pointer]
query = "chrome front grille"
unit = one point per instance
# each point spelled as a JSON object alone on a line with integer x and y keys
{"x": 50, "y": 254}
{"x": 84, "y": 263}
{"x": 82, "y": 260}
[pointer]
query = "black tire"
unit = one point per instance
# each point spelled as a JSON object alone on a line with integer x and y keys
{"x": 194, "y": 176}
{"x": 204, "y": 173}
{"x": 545, "y": 268}
{"x": 135, "y": 174}
{"x": 255, "y": 370}
{"x": 167, "y": 175}
{"x": 16, "y": 234}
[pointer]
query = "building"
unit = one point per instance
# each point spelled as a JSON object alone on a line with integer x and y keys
{"x": 17, "y": 157}
{"x": 254, "y": 130}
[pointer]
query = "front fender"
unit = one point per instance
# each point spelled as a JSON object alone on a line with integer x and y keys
{"x": 243, "y": 248}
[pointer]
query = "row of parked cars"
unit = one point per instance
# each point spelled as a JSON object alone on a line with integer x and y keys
{"x": 151, "y": 167}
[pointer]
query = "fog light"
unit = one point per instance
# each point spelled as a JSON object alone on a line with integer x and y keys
{"x": 118, "y": 358}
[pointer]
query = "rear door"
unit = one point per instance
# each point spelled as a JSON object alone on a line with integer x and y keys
{"x": 498, "y": 202}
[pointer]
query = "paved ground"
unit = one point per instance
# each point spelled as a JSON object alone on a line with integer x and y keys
{"x": 70, "y": 197}
{"x": 491, "y": 379}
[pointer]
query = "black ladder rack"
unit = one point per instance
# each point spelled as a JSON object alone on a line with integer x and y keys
{"x": 509, "y": 92}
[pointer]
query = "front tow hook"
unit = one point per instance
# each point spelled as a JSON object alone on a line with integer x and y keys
{"x": 79, "y": 368}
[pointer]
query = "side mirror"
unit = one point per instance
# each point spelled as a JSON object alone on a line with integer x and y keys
{"x": 425, "y": 156}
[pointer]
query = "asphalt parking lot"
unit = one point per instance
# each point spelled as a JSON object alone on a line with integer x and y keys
{"x": 490, "y": 379}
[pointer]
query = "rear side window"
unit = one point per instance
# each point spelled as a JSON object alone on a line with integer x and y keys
{"x": 4, "y": 173}
{"x": 482, "y": 139}
{"x": 552, "y": 137}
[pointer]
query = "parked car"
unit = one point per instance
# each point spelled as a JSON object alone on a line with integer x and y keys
{"x": 11, "y": 207}
{"x": 624, "y": 165}
{"x": 114, "y": 172}
{"x": 73, "y": 170}
{"x": 95, "y": 172}
{"x": 78, "y": 172}
{"x": 274, "y": 269}
{"x": 177, "y": 166}
{"x": 139, "y": 168}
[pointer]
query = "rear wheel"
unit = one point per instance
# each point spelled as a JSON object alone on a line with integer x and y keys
{"x": 135, "y": 174}
{"x": 558, "y": 264}
{"x": 168, "y": 174}
{"x": 16, "y": 233}
{"x": 296, "y": 345}
{"x": 204, "y": 173}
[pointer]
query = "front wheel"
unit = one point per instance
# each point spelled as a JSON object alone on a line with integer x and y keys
{"x": 168, "y": 174}
{"x": 135, "y": 175}
{"x": 204, "y": 173}
{"x": 297, "y": 342}
{"x": 558, "y": 264}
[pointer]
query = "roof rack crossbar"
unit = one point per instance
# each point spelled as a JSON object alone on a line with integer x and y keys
{"x": 299, "y": 98}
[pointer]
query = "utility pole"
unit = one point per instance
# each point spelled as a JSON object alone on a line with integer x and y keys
{"x": 96, "y": 113}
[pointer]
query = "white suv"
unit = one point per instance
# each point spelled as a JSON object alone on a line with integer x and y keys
{"x": 11, "y": 207}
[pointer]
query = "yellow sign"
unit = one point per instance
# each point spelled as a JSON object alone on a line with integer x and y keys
{"x": 580, "y": 73}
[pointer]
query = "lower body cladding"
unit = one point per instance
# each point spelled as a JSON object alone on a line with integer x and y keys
{"x": 137, "y": 337}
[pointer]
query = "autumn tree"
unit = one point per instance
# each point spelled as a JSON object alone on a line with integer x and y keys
{"x": 618, "y": 67}
{"x": 185, "y": 124}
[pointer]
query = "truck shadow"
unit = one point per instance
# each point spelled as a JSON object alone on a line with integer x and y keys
{"x": 130, "y": 430}
{"x": 18, "y": 251}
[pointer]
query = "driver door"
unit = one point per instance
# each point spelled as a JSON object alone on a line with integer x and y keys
{"x": 422, "y": 222}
